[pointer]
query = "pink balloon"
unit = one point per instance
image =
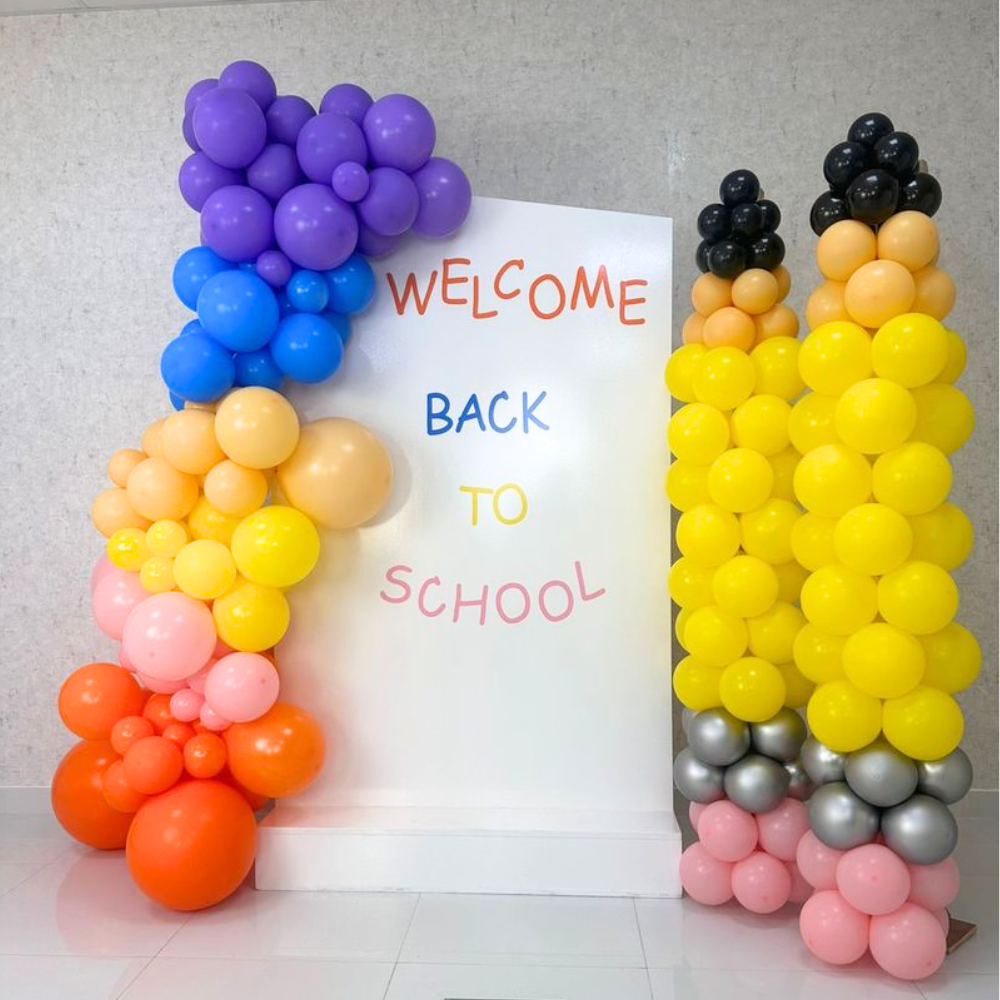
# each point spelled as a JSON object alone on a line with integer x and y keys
{"x": 185, "y": 705}
{"x": 761, "y": 883}
{"x": 159, "y": 687}
{"x": 817, "y": 862}
{"x": 242, "y": 686}
{"x": 781, "y": 829}
{"x": 101, "y": 569}
{"x": 197, "y": 681}
{"x": 169, "y": 636}
{"x": 706, "y": 879}
{"x": 934, "y": 887}
{"x": 124, "y": 661}
{"x": 943, "y": 918}
{"x": 115, "y": 597}
{"x": 695, "y": 809}
{"x": 801, "y": 889}
{"x": 211, "y": 719}
{"x": 727, "y": 832}
{"x": 221, "y": 650}
{"x": 873, "y": 879}
{"x": 908, "y": 943}
{"x": 832, "y": 929}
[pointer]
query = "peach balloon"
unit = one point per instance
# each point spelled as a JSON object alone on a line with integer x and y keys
{"x": 826, "y": 304}
{"x": 693, "y": 331}
{"x": 111, "y": 512}
{"x": 784, "y": 279}
{"x": 189, "y": 442}
{"x": 122, "y": 462}
{"x": 234, "y": 489}
{"x": 729, "y": 327}
{"x": 755, "y": 291}
{"x": 158, "y": 491}
{"x": 935, "y": 292}
{"x": 152, "y": 443}
{"x": 778, "y": 321}
{"x": 710, "y": 293}
{"x": 878, "y": 291}
{"x": 257, "y": 427}
{"x": 843, "y": 248}
{"x": 910, "y": 239}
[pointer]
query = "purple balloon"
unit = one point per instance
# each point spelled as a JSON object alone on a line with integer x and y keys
{"x": 285, "y": 118}
{"x": 391, "y": 204}
{"x": 350, "y": 181}
{"x": 445, "y": 197}
{"x": 373, "y": 244}
{"x": 199, "y": 177}
{"x": 315, "y": 228}
{"x": 197, "y": 89}
{"x": 187, "y": 130}
{"x": 275, "y": 268}
{"x": 347, "y": 99}
{"x": 325, "y": 142}
{"x": 229, "y": 127}
{"x": 252, "y": 78}
{"x": 400, "y": 132}
{"x": 275, "y": 172}
{"x": 237, "y": 223}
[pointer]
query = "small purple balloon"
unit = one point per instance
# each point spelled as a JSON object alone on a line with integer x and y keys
{"x": 187, "y": 130}
{"x": 445, "y": 197}
{"x": 252, "y": 78}
{"x": 237, "y": 223}
{"x": 325, "y": 142}
{"x": 400, "y": 132}
{"x": 196, "y": 90}
{"x": 373, "y": 244}
{"x": 315, "y": 228}
{"x": 350, "y": 181}
{"x": 275, "y": 268}
{"x": 391, "y": 204}
{"x": 229, "y": 126}
{"x": 199, "y": 177}
{"x": 275, "y": 172}
{"x": 285, "y": 118}
{"x": 347, "y": 99}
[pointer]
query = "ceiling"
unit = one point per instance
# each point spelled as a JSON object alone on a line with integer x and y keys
{"x": 16, "y": 7}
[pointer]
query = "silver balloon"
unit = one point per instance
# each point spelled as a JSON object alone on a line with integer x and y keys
{"x": 948, "y": 779}
{"x": 800, "y": 785}
{"x": 695, "y": 780}
{"x": 687, "y": 714}
{"x": 780, "y": 737}
{"x": 756, "y": 783}
{"x": 921, "y": 830}
{"x": 821, "y": 763}
{"x": 718, "y": 737}
{"x": 881, "y": 775}
{"x": 840, "y": 819}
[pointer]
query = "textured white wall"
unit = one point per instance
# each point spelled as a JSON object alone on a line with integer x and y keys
{"x": 637, "y": 107}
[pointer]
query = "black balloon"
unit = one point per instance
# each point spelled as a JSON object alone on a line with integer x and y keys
{"x": 739, "y": 187}
{"x": 701, "y": 255}
{"x": 921, "y": 193}
{"x": 767, "y": 251}
{"x": 897, "y": 153}
{"x": 772, "y": 214}
{"x": 843, "y": 163}
{"x": 872, "y": 196}
{"x": 713, "y": 223}
{"x": 827, "y": 209}
{"x": 727, "y": 259}
{"x": 746, "y": 221}
{"x": 869, "y": 128}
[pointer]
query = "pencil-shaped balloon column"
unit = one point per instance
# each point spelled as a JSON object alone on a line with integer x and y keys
{"x": 735, "y": 581}
{"x": 880, "y": 539}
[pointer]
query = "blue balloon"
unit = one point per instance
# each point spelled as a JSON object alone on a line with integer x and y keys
{"x": 248, "y": 266}
{"x": 193, "y": 327}
{"x": 285, "y": 308}
{"x": 352, "y": 285}
{"x": 258, "y": 368}
{"x": 239, "y": 310}
{"x": 340, "y": 323}
{"x": 307, "y": 291}
{"x": 176, "y": 402}
{"x": 193, "y": 268}
{"x": 197, "y": 368}
{"x": 307, "y": 347}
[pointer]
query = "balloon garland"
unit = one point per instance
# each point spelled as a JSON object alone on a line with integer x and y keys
{"x": 186, "y": 736}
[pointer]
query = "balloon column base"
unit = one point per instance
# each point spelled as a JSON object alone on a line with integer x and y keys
{"x": 959, "y": 932}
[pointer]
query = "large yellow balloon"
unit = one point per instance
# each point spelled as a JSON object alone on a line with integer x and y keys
{"x": 761, "y": 424}
{"x": 687, "y": 485}
{"x": 257, "y": 427}
{"x": 204, "y": 569}
{"x": 875, "y": 415}
{"x": 842, "y": 717}
{"x": 690, "y": 583}
{"x": 835, "y": 356}
{"x": 276, "y": 546}
{"x": 919, "y": 597}
{"x": 913, "y": 478}
{"x": 752, "y": 689}
{"x": 798, "y": 687}
{"x": 911, "y": 349}
{"x": 942, "y": 536}
{"x": 791, "y": 577}
{"x": 708, "y": 535}
{"x": 250, "y": 617}
{"x": 945, "y": 417}
{"x": 697, "y": 685}
{"x": 723, "y": 378}
{"x": 838, "y": 600}
{"x": 872, "y": 539}
{"x": 679, "y": 373}
{"x": 776, "y": 367}
{"x": 740, "y": 479}
{"x": 832, "y": 479}
{"x": 953, "y": 658}
{"x": 714, "y": 636}
{"x": 340, "y": 474}
{"x": 189, "y": 442}
{"x": 783, "y": 466}
{"x": 812, "y": 541}
{"x": 883, "y": 661}
{"x": 697, "y": 433}
{"x": 925, "y": 724}
{"x": 680, "y": 624}
{"x": 745, "y": 586}
{"x": 811, "y": 422}
{"x": 767, "y": 531}
{"x": 819, "y": 655}
{"x": 955, "y": 364}
{"x": 772, "y": 634}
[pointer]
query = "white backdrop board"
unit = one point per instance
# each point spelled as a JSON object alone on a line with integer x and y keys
{"x": 491, "y": 658}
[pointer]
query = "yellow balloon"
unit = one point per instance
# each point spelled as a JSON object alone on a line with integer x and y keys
{"x": 798, "y": 688}
{"x": 681, "y": 624}
{"x": 945, "y": 417}
{"x": 715, "y": 636}
{"x": 832, "y": 479}
{"x": 250, "y": 617}
{"x": 771, "y": 636}
{"x": 740, "y": 479}
{"x": 812, "y": 541}
{"x": 234, "y": 489}
{"x": 189, "y": 442}
{"x": 776, "y": 368}
{"x": 745, "y": 586}
{"x": 276, "y": 546}
{"x": 819, "y": 655}
{"x": 207, "y": 522}
{"x": 783, "y": 466}
{"x": 919, "y": 597}
{"x": 791, "y": 577}
{"x": 257, "y": 427}
{"x": 925, "y": 724}
{"x": 835, "y": 356}
{"x": 690, "y": 583}
{"x": 872, "y": 539}
{"x": 883, "y": 661}
{"x": 767, "y": 531}
{"x": 157, "y": 574}
{"x": 708, "y": 535}
{"x": 955, "y": 364}
{"x": 752, "y": 689}
{"x": 204, "y": 569}
{"x": 811, "y": 422}
{"x": 838, "y": 600}
{"x": 875, "y": 415}
{"x": 953, "y": 658}
{"x": 842, "y": 717}
{"x": 679, "y": 373}
{"x": 911, "y": 349}
{"x": 127, "y": 548}
{"x": 942, "y": 536}
{"x": 913, "y": 478}
{"x": 166, "y": 538}
{"x": 687, "y": 485}
{"x": 697, "y": 684}
{"x": 723, "y": 378}
{"x": 761, "y": 424}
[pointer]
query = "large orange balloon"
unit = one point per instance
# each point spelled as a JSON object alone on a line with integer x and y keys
{"x": 192, "y": 846}
{"x": 78, "y": 797}
{"x": 279, "y": 753}
{"x": 93, "y": 698}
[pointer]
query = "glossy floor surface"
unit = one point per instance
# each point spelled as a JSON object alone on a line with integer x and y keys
{"x": 74, "y": 927}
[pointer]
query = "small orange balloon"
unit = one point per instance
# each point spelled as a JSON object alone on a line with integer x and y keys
{"x": 693, "y": 331}
{"x": 78, "y": 801}
{"x": 204, "y": 755}
{"x": 157, "y": 712}
{"x": 709, "y": 294}
{"x": 843, "y": 248}
{"x": 189, "y": 442}
{"x": 118, "y": 793}
{"x": 910, "y": 239}
{"x": 152, "y": 443}
{"x": 129, "y": 729}
{"x": 784, "y": 279}
{"x": 778, "y": 321}
{"x": 234, "y": 489}
{"x": 111, "y": 512}
{"x": 826, "y": 304}
{"x": 878, "y": 291}
{"x": 152, "y": 765}
{"x": 729, "y": 327}
{"x": 93, "y": 698}
{"x": 935, "y": 292}
{"x": 122, "y": 462}
{"x": 178, "y": 733}
{"x": 755, "y": 291}
{"x": 158, "y": 491}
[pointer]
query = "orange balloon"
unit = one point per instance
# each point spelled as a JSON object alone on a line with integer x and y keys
{"x": 826, "y": 304}
{"x": 111, "y": 512}
{"x": 878, "y": 291}
{"x": 93, "y": 698}
{"x": 152, "y": 441}
{"x": 778, "y": 321}
{"x": 157, "y": 711}
{"x": 935, "y": 293}
{"x": 122, "y": 462}
{"x": 204, "y": 755}
{"x": 693, "y": 331}
{"x": 279, "y": 753}
{"x": 118, "y": 793}
{"x": 843, "y": 248}
{"x": 129, "y": 729}
{"x": 78, "y": 801}
{"x": 710, "y": 293}
{"x": 192, "y": 846}
{"x": 254, "y": 799}
{"x": 178, "y": 733}
{"x": 910, "y": 239}
{"x": 784, "y": 279}
{"x": 158, "y": 491}
{"x": 729, "y": 327}
{"x": 189, "y": 442}
{"x": 152, "y": 765}
{"x": 756, "y": 290}
{"x": 234, "y": 489}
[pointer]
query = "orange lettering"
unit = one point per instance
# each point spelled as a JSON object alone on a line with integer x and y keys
{"x": 410, "y": 288}
{"x": 476, "y": 314}
{"x": 519, "y": 264}
{"x": 448, "y": 279}
{"x": 590, "y": 294}
{"x": 559, "y": 289}
{"x": 624, "y": 302}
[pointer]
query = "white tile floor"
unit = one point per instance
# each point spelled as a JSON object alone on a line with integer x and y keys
{"x": 73, "y": 927}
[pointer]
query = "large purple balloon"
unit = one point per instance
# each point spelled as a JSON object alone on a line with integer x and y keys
{"x": 285, "y": 118}
{"x": 275, "y": 172}
{"x": 200, "y": 176}
{"x": 229, "y": 126}
{"x": 237, "y": 223}
{"x": 391, "y": 204}
{"x": 325, "y": 142}
{"x": 400, "y": 132}
{"x": 252, "y": 78}
{"x": 373, "y": 244}
{"x": 195, "y": 91}
{"x": 347, "y": 99}
{"x": 445, "y": 197}
{"x": 187, "y": 130}
{"x": 315, "y": 228}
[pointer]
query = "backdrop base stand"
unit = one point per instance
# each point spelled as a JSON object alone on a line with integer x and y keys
{"x": 959, "y": 932}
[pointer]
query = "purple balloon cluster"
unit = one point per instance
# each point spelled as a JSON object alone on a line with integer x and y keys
{"x": 285, "y": 187}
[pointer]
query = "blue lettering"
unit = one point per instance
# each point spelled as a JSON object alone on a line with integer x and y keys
{"x": 529, "y": 411}
{"x": 471, "y": 412}
{"x": 440, "y": 415}
{"x": 493, "y": 405}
